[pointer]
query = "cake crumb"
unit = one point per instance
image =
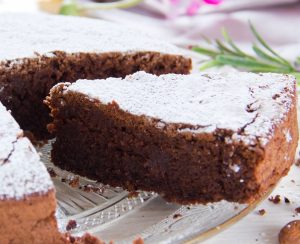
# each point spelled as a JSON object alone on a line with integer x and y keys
{"x": 297, "y": 162}
{"x": 297, "y": 210}
{"x": 85, "y": 239}
{"x": 261, "y": 212}
{"x": 51, "y": 172}
{"x": 177, "y": 215}
{"x": 74, "y": 182}
{"x": 275, "y": 199}
{"x": 91, "y": 188}
{"x": 88, "y": 188}
{"x": 133, "y": 194}
{"x": 286, "y": 200}
{"x": 72, "y": 224}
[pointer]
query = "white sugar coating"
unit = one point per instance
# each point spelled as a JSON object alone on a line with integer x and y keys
{"x": 9, "y": 130}
{"x": 254, "y": 102}
{"x": 24, "y": 35}
{"x": 21, "y": 171}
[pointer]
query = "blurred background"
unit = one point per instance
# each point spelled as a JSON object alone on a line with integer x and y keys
{"x": 185, "y": 22}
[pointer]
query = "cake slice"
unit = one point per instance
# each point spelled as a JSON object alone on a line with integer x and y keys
{"x": 42, "y": 50}
{"x": 192, "y": 138}
{"x": 27, "y": 196}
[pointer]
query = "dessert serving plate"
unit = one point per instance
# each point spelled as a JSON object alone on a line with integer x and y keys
{"x": 114, "y": 214}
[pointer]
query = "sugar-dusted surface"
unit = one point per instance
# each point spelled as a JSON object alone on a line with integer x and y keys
{"x": 9, "y": 130}
{"x": 248, "y": 104}
{"x": 44, "y": 34}
{"x": 21, "y": 171}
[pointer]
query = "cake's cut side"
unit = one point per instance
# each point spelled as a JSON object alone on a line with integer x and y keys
{"x": 66, "y": 54}
{"x": 170, "y": 134}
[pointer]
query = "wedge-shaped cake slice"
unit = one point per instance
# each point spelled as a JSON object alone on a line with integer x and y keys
{"x": 192, "y": 138}
{"x": 27, "y": 197}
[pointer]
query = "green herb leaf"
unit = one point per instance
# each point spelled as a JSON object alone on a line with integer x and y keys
{"x": 205, "y": 51}
{"x": 242, "y": 62}
{"x": 262, "y": 54}
{"x": 266, "y": 59}
{"x": 265, "y": 45}
{"x": 70, "y": 8}
{"x": 224, "y": 49}
{"x": 297, "y": 75}
{"x": 231, "y": 43}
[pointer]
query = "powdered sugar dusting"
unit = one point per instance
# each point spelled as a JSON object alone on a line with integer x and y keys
{"x": 26, "y": 35}
{"x": 21, "y": 171}
{"x": 246, "y": 103}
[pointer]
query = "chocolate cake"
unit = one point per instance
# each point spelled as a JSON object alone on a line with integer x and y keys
{"x": 27, "y": 195}
{"x": 41, "y": 50}
{"x": 192, "y": 138}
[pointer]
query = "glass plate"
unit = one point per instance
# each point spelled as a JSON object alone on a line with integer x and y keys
{"x": 114, "y": 214}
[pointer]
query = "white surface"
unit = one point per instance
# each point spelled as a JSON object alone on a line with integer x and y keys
{"x": 255, "y": 228}
{"x": 206, "y": 101}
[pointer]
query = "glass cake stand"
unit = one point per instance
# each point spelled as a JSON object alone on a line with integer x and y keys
{"x": 114, "y": 214}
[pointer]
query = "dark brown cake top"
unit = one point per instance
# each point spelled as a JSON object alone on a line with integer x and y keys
{"x": 247, "y": 104}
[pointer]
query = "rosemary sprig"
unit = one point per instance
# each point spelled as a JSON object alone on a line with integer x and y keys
{"x": 226, "y": 52}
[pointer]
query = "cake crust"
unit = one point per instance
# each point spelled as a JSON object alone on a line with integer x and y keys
{"x": 30, "y": 220}
{"x": 122, "y": 141}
